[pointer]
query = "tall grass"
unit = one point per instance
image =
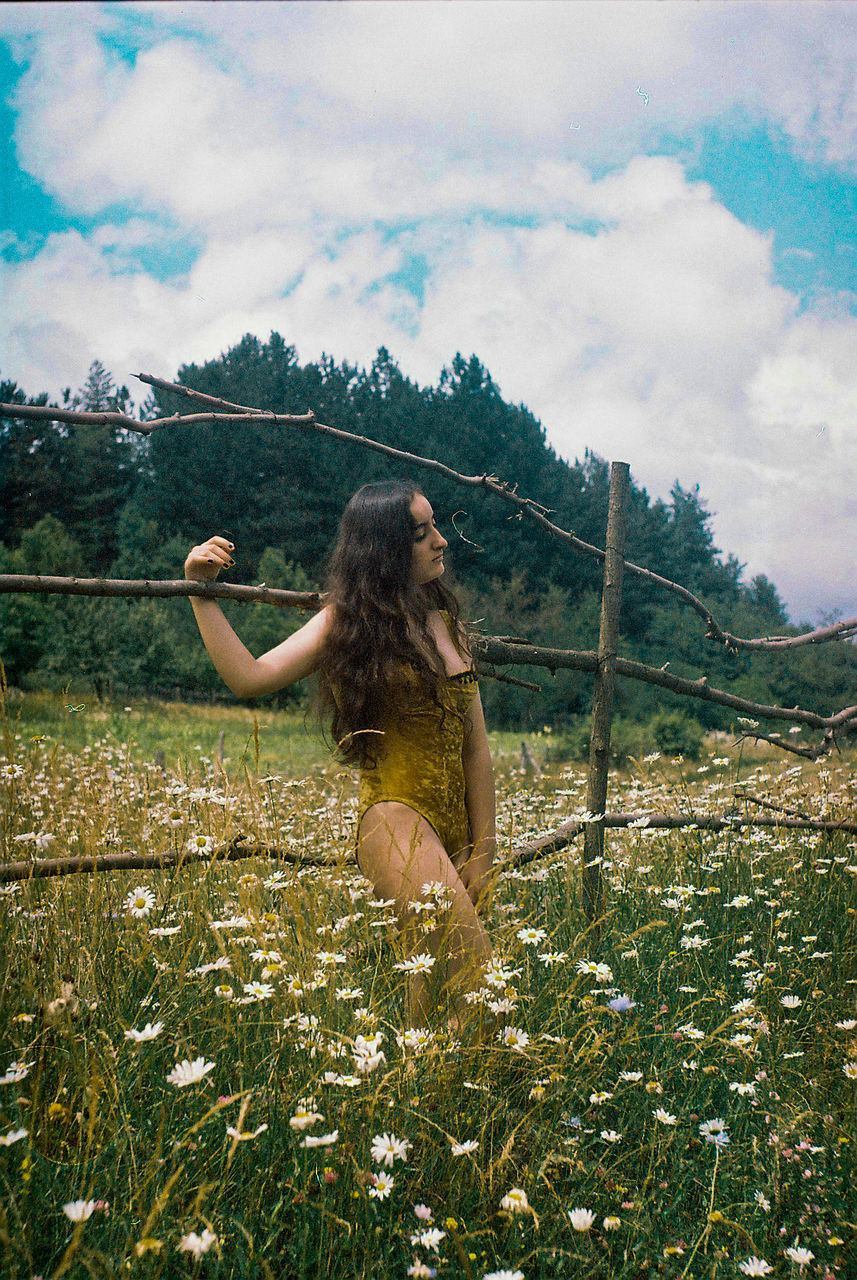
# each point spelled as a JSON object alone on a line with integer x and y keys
{"x": 689, "y": 1081}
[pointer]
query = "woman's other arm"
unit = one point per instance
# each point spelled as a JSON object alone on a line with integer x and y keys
{"x": 248, "y": 677}
{"x": 480, "y": 801}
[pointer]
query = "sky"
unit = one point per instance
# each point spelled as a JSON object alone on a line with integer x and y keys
{"x": 641, "y": 217}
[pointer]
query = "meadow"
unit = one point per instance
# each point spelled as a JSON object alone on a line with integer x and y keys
{"x": 208, "y": 1070}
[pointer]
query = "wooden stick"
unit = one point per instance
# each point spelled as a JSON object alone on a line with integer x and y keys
{"x": 602, "y": 700}
{"x": 159, "y": 588}
{"x": 522, "y": 855}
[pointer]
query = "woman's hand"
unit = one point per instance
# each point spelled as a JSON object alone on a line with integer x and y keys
{"x": 204, "y": 562}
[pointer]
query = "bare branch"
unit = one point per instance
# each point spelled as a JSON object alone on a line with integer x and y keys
{"x": 563, "y": 836}
{"x": 769, "y": 804}
{"x": 522, "y": 855}
{"x": 814, "y": 752}
{"x": 45, "y": 414}
{"x": 158, "y": 588}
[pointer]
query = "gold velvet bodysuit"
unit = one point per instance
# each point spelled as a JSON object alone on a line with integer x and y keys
{"x": 420, "y": 761}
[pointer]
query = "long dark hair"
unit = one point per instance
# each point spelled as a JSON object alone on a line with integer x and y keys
{"x": 379, "y": 628}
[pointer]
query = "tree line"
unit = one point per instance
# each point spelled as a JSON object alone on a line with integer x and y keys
{"x": 101, "y": 501}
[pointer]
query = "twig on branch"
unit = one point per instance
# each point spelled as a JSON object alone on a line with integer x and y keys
{"x": 769, "y": 804}
{"x": 522, "y": 855}
{"x": 807, "y": 753}
{"x": 81, "y": 419}
{"x": 501, "y": 676}
{"x": 506, "y": 491}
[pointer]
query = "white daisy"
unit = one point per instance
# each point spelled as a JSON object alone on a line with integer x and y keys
{"x": 187, "y": 1072}
{"x": 140, "y": 901}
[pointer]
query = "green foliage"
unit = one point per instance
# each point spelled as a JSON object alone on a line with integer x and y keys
{"x": 677, "y": 734}
{"x": 134, "y": 505}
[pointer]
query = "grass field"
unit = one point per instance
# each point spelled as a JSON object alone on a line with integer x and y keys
{"x": 208, "y": 1071}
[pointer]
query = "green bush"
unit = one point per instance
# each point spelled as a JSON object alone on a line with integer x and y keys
{"x": 676, "y": 734}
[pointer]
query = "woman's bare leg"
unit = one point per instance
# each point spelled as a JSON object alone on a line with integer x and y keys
{"x": 399, "y": 853}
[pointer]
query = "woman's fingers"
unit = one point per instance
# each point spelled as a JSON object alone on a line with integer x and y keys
{"x": 217, "y": 551}
{"x": 206, "y": 560}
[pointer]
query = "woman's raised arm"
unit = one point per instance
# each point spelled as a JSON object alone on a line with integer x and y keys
{"x": 248, "y": 677}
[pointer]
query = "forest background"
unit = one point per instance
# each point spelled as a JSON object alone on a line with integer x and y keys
{"x": 104, "y": 502}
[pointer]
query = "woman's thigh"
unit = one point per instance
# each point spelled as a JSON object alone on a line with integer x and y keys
{"x": 399, "y": 851}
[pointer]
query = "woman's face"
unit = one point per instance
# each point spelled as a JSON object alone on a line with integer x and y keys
{"x": 429, "y": 542}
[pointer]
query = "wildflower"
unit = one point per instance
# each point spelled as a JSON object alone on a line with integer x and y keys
{"x": 223, "y": 991}
{"x": 850, "y": 1069}
{"x": 79, "y": 1210}
{"x": 140, "y": 901}
{"x": 198, "y": 1245}
{"x": 148, "y": 1033}
{"x": 664, "y": 1116}
{"x": 514, "y": 1038}
{"x": 186, "y": 1072}
{"x": 790, "y": 1002}
{"x": 515, "y": 1201}
{"x": 305, "y": 1114}
{"x": 464, "y": 1148}
{"x": 799, "y": 1255}
{"x": 200, "y": 844}
{"x": 428, "y": 1239}
{"x": 259, "y": 990}
{"x": 762, "y": 1201}
{"x": 847, "y": 1024}
{"x": 755, "y": 1267}
{"x": 382, "y": 1185}
{"x": 14, "y": 1072}
{"x": 322, "y": 1140}
{"x": 423, "y": 1212}
{"x": 581, "y": 1219}
{"x": 386, "y": 1148}
{"x": 612, "y": 1223}
{"x": 610, "y": 1135}
{"x": 422, "y": 963}
{"x": 417, "y": 1038}
{"x": 714, "y": 1131}
{"x": 497, "y": 973}
{"x": 532, "y": 936}
{"x": 632, "y": 1076}
{"x": 597, "y": 1098}
{"x": 621, "y": 1004}
{"x": 245, "y": 1137}
{"x": 421, "y": 1270}
{"x": 14, "y": 1135}
{"x": 552, "y": 957}
{"x": 600, "y": 972}
{"x": 503, "y": 1275}
{"x": 736, "y": 1086}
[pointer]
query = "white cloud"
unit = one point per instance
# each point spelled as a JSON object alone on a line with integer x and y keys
{"x": 310, "y": 149}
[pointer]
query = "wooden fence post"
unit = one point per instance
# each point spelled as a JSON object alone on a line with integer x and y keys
{"x": 602, "y": 700}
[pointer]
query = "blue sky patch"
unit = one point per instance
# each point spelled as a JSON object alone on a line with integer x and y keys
{"x": 810, "y": 208}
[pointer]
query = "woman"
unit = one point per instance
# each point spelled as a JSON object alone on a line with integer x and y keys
{"x": 397, "y": 683}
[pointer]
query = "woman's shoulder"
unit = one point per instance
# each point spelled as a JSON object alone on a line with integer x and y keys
{"x": 456, "y": 630}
